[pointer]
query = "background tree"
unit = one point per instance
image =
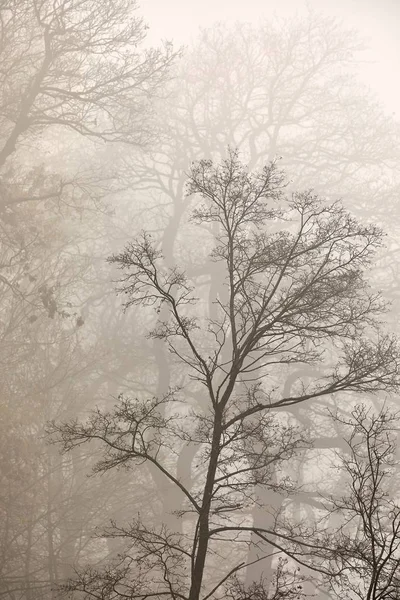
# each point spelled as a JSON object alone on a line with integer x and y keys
{"x": 72, "y": 78}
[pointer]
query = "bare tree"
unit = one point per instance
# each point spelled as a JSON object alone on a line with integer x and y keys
{"x": 73, "y": 79}
{"x": 287, "y": 87}
{"x": 293, "y": 269}
{"x": 70, "y": 66}
{"x": 76, "y": 64}
{"x": 368, "y": 542}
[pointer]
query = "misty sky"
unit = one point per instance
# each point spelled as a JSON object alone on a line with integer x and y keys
{"x": 377, "y": 20}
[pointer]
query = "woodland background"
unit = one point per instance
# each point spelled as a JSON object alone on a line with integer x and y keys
{"x": 97, "y": 137}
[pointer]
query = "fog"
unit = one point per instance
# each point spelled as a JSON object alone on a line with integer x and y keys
{"x": 375, "y": 22}
{"x": 199, "y": 282}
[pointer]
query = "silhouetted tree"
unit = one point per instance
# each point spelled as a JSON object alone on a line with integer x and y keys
{"x": 285, "y": 87}
{"x": 294, "y": 292}
{"x": 368, "y": 541}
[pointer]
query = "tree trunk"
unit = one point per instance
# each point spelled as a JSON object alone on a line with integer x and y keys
{"x": 204, "y": 518}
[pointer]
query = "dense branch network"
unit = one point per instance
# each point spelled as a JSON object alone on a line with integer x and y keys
{"x": 294, "y": 293}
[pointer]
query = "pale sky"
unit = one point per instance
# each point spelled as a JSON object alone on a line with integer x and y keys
{"x": 377, "y": 20}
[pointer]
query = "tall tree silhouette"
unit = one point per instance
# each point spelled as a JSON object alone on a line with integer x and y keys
{"x": 294, "y": 293}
